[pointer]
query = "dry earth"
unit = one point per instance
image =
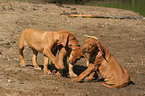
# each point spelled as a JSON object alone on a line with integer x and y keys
{"x": 125, "y": 39}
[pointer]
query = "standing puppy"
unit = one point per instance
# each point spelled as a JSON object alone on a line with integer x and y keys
{"x": 47, "y": 42}
{"x": 103, "y": 62}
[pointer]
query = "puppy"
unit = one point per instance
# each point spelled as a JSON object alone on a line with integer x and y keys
{"x": 73, "y": 50}
{"x": 103, "y": 62}
{"x": 47, "y": 42}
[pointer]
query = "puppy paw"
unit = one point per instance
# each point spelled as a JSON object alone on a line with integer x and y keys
{"x": 88, "y": 79}
{"x": 53, "y": 71}
{"x": 58, "y": 74}
{"x": 76, "y": 80}
{"x": 38, "y": 68}
{"x": 73, "y": 75}
{"x": 24, "y": 65}
{"x": 47, "y": 71}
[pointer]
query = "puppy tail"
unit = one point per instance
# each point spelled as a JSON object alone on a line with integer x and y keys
{"x": 115, "y": 86}
{"x": 91, "y": 36}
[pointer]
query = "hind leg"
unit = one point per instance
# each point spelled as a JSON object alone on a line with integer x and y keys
{"x": 22, "y": 61}
{"x": 34, "y": 59}
{"x": 21, "y": 49}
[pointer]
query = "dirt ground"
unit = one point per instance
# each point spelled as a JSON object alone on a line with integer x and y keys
{"x": 125, "y": 39}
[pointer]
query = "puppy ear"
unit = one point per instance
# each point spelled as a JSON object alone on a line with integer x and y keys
{"x": 86, "y": 59}
{"x": 100, "y": 47}
{"x": 63, "y": 39}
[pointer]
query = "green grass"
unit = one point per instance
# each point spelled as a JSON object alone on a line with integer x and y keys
{"x": 136, "y": 5}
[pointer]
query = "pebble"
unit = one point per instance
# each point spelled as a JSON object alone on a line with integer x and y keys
{"x": 7, "y": 43}
{"x": 19, "y": 69}
{"x": 73, "y": 9}
{"x": 0, "y": 52}
{"x": 21, "y": 83}
{"x": 10, "y": 81}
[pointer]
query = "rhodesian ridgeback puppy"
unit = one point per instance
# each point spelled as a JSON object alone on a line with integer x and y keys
{"x": 47, "y": 42}
{"x": 73, "y": 50}
{"x": 103, "y": 62}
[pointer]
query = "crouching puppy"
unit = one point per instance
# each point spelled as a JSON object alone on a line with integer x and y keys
{"x": 103, "y": 62}
{"x": 46, "y": 42}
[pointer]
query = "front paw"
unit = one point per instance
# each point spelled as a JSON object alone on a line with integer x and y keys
{"x": 38, "y": 68}
{"x": 47, "y": 71}
{"x": 87, "y": 79}
{"x": 23, "y": 65}
{"x": 73, "y": 75}
{"x": 58, "y": 74}
{"x": 76, "y": 80}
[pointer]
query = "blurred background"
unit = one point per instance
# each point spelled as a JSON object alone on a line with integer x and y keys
{"x": 134, "y": 5}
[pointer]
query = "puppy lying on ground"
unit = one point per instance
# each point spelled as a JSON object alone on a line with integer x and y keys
{"x": 103, "y": 62}
{"x": 48, "y": 42}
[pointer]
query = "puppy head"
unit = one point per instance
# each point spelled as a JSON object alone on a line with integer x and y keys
{"x": 67, "y": 38}
{"x": 63, "y": 39}
{"x": 73, "y": 42}
{"x": 90, "y": 45}
{"x": 75, "y": 55}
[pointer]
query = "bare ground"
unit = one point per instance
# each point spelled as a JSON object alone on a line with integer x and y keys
{"x": 125, "y": 39}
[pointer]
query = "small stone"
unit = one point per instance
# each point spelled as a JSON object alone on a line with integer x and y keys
{"x": 13, "y": 41}
{"x": 21, "y": 83}
{"x": 10, "y": 81}
{"x": 19, "y": 69}
{"x": 74, "y": 13}
{"x": 0, "y": 53}
{"x": 73, "y": 9}
{"x": 67, "y": 7}
{"x": 8, "y": 43}
{"x": 34, "y": 9}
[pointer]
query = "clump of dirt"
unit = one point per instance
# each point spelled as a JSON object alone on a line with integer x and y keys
{"x": 123, "y": 38}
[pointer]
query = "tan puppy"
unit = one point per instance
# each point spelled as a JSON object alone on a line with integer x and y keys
{"x": 48, "y": 42}
{"x": 72, "y": 50}
{"x": 103, "y": 62}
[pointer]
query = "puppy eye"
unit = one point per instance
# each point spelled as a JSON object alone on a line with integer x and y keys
{"x": 70, "y": 45}
{"x": 74, "y": 39}
{"x": 78, "y": 45}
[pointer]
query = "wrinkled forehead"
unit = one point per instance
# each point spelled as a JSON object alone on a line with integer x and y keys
{"x": 77, "y": 50}
{"x": 73, "y": 40}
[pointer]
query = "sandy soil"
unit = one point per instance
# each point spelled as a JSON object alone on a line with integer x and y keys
{"x": 125, "y": 39}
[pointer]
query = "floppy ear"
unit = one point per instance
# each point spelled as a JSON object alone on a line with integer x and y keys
{"x": 101, "y": 50}
{"x": 86, "y": 59}
{"x": 100, "y": 47}
{"x": 63, "y": 39}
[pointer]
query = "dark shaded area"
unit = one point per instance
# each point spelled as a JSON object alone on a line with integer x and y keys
{"x": 79, "y": 69}
{"x": 58, "y": 1}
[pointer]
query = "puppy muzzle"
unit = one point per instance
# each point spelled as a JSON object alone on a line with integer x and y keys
{"x": 84, "y": 50}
